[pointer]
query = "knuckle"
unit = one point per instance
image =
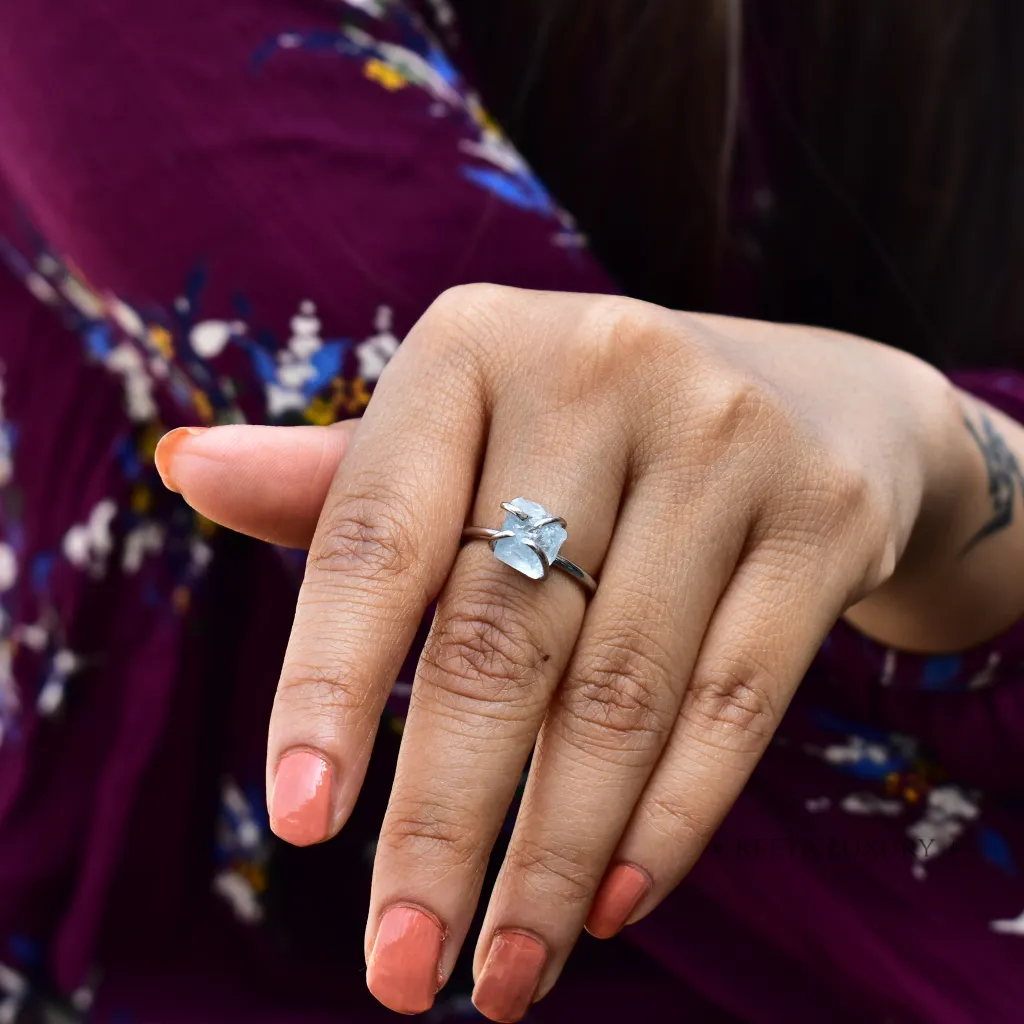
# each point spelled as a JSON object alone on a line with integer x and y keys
{"x": 320, "y": 689}
{"x": 859, "y": 518}
{"x": 835, "y": 508}
{"x": 428, "y": 829}
{"x": 608, "y": 324}
{"x": 366, "y": 537}
{"x": 732, "y": 706}
{"x": 461, "y": 297}
{"x": 836, "y": 501}
{"x": 619, "y": 692}
{"x": 850, "y": 493}
{"x": 462, "y": 320}
{"x": 671, "y": 817}
{"x": 552, "y": 872}
{"x": 614, "y": 338}
{"x": 740, "y": 409}
{"x": 484, "y": 650}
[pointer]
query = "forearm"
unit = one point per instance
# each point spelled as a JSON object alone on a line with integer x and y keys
{"x": 960, "y": 580}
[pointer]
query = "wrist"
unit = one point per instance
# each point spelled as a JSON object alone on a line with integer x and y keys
{"x": 954, "y": 492}
{"x": 914, "y": 609}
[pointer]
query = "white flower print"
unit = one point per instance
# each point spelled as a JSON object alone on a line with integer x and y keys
{"x": 375, "y": 8}
{"x": 6, "y": 452}
{"x": 242, "y": 842}
{"x": 866, "y": 803}
{"x": 10, "y": 704}
{"x": 127, "y": 362}
{"x": 295, "y": 369}
{"x": 375, "y": 352}
{"x": 143, "y": 540}
{"x": 8, "y": 566}
{"x": 15, "y": 991}
{"x": 948, "y": 810}
{"x": 65, "y": 664}
{"x": 88, "y": 545}
{"x": 1012, "y": 926}
{"x": 210, "y": 337}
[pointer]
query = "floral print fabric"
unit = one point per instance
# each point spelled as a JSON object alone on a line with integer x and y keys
{"x": 234, "y": 214}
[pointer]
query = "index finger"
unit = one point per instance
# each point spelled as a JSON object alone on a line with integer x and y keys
{"x": 387, "y": 536}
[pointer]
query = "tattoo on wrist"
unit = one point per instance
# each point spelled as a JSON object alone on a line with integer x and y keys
{"x": 1005, "y": 478}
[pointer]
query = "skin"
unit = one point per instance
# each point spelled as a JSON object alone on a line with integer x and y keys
{"x": 736, "y": 486}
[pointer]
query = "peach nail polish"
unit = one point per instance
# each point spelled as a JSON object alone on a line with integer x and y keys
{"x": 510, "y": 976}
{"x": 300, "y": 807}
{"x": 623, "y": 888}
{"x": 166, "y": 449}
{"x": 402, "y": 971}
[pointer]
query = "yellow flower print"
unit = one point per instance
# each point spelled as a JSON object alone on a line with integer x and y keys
{"x": 206, "y": 527}
{"x": 203, "y": 406}
{"x": 347, "y": 397}
{"x": 915, "y": 782}
{"x": 482, "y": 118}
{"x": 322, "y": 412}
{"x": 161, "y": 340}
{"x": 148, "y": 441}
{"x": 384, "y": 74}
{"x": 360, "y": 397}
{"x": 142, "y": 499}
{"x": 181, "y": 597}
{"x": 254, "y": 874}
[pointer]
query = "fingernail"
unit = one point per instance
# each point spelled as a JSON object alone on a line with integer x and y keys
{"x": 402, "y": 972}
{"x": 300, "y": 807}
{"x": 170, "y": 445}
{"x": 510, "y": 976}
{"x": 623, "y": 888}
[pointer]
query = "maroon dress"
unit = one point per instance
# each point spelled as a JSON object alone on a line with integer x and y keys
{"x": 232, "y": 212}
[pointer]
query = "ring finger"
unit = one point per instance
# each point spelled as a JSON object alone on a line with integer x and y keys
{"x": 497, "y": 647}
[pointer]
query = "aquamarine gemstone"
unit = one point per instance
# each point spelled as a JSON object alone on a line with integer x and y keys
{"x": 549, "y": 538}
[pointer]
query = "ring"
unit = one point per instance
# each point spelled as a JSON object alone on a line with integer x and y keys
{"x": 529, "y": 540}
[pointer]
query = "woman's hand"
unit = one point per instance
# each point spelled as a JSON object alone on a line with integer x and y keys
{"x": 735, "y": 485}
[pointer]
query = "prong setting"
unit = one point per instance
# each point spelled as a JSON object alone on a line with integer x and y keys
{"x": 539, "y": 552}
{"x": 515, "y": 510}
{"x": 549, "y": 519}
{"x": 494, "y": 537}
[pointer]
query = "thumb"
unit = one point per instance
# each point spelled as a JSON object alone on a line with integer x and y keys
{"x": 268, "y": 482}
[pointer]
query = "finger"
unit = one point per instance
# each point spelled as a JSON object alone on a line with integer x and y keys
{"x": 497, "y": 648}
{"x": 764, "y": 634}
{"x": 384, "y": 543}
{"x": 668, "y": 563}
{"x": 268, "y": 482}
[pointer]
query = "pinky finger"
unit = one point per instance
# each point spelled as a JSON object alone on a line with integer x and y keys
{"x": 758, "y": 646}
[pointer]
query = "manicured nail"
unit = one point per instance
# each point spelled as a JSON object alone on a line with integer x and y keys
{"x": 623, "y": 888}
{"x": 402, "y": 971}
{"x": 170, "y": 445}
{"x": 300, "y": 807}
{"x": 510, "y": 976}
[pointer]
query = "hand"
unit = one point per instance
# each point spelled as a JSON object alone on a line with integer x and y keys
{"x": 735, "y": 485}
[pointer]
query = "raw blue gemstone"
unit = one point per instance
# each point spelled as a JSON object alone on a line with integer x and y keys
{"x": 549, "y": 538}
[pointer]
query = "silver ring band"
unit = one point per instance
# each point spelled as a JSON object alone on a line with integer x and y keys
{"x": 534, "y": 536}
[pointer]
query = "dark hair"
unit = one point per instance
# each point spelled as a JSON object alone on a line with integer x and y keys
{"x": 895, "y": 139}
